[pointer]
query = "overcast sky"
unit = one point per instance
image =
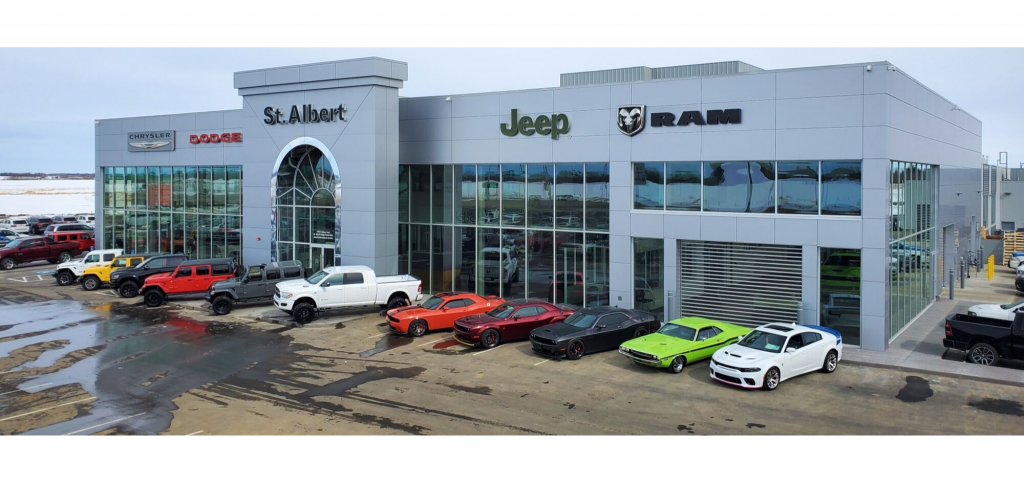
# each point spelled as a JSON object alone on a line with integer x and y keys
{"x": 51, "y": 97}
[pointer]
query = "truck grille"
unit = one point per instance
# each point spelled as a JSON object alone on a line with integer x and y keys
{"x": 641, "y": 355}
{"x": 462, "y": 329}
{"x": 728, "y": 367}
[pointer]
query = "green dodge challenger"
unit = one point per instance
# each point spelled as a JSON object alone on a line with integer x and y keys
{"x": 682, "y": 341}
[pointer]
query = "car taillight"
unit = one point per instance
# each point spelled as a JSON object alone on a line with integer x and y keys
{"x": 949, "y": 330}
{"x": 419, "y": 288}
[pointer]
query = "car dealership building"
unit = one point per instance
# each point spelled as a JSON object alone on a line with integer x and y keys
{"x": 835, "y": 195}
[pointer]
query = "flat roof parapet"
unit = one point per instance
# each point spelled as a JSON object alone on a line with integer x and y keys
{"x": 642, "y": 73}
{"x": 323, "y": 75}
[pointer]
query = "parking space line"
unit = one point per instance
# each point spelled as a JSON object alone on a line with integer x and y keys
{"x": 485, "y": 351}
{"x": 48, "y": 408}
{"x": 545, "y": 360}
{"x": 105, "y": 423}
{"x": 435, "y": 341}
{"x": 25, "y": 389}
{"x": 197, "y": 432}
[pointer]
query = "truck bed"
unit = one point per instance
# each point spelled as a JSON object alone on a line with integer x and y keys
{"x": 396, "y": 279}
{"x": 963, "y": 319}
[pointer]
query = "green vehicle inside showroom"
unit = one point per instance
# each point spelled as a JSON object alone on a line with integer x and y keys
{"x": 682, "y": 341}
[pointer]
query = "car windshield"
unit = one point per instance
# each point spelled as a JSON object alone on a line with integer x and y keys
{"x": 432, "y": 303}
{"x": 316, "y": 277}
{"x": 16, "y": 242}
{"x": 502, "y": 311}
{"x": 759, "y": 340}
{"x": 581, "y": 320}
{"x": 1014, "y": 305}
{"x": 677, "y": 331}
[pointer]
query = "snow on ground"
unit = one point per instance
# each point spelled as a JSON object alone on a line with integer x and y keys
{"x": 30, "y": 197}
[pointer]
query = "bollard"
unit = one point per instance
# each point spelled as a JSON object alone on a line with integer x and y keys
{"x": 991, "y": 266}
{"x": 951, "y": 283}
{"x": 961, "y": 273}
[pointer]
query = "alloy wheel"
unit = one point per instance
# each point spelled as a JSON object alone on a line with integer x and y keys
{"x": 771, "y": 380}
{"x": 832, "y": 362}
{"x": 983, "y": 356}
{"x": 576, "y": 349}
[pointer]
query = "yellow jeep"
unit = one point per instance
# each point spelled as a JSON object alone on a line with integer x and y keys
{"x": 95, "y": 277}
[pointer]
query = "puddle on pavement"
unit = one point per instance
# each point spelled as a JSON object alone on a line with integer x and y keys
{"x": 132, "y": 359}
{"x": 916, "y": 390}
{"x": 1002, "y": 407}
{"x": 387, "y": 342}
{"x": 445, "y": 344}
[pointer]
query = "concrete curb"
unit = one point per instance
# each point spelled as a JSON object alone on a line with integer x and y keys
{"x": 936, "y": 373}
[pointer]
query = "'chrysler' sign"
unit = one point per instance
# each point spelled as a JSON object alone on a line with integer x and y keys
{"x": 151, "y": 141}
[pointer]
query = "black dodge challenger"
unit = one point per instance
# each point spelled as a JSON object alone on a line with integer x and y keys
{"x": 591, "y": 330}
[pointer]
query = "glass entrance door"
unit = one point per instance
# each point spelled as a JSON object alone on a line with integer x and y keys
{"x": 320, "y": 256}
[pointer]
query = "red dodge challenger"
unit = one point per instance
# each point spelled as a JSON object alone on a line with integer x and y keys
{"x": 510, "y": 321}
{"x": 439, "y": 312}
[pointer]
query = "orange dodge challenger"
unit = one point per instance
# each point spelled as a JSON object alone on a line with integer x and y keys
{"x": 439, "y": 312}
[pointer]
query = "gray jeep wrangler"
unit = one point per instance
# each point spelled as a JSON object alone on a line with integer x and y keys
{"x": 255, "y": 286}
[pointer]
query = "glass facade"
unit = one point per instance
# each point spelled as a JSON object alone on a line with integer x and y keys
{"x": 788, "y": 187}
{"x": 512, "y": 230}
{"x": 195, "y": 211}
{"x": 649, "y": 275}
{"x": 305, "y": 208}
{"x": 914, "y": 187}
{"x": 840, "y": 293}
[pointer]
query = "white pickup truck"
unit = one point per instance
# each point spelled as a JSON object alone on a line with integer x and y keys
{"x": 344, "y": 287}
{"x": 69, "y": 272}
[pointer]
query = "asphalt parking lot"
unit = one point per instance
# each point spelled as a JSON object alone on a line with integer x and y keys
{"x": 73, "y": 362}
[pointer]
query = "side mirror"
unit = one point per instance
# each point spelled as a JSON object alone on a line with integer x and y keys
{"x": 702, "y": 338}
{"x": 515, "y": 318}
{"x": 444, "y": 309}
{"x": 601, "y": 326}
{"x": 327, "y": 284}
{"x": 791, "y": 350}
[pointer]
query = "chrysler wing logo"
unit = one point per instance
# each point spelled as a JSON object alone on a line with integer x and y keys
{"x": 631, "y": 119}
{"x": 149, "y": 145}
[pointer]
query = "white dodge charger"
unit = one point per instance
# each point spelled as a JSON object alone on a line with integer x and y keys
{"x": 776, "y": 352}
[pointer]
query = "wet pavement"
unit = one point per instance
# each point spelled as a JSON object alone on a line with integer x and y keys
{"x": 73, "y": 362}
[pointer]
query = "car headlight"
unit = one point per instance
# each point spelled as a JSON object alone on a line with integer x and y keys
{"x": 750, "y": 370}
{"x": 291, "y": 294}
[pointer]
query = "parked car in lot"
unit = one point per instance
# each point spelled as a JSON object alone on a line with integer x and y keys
{"x": 38, "y": 223}
{"x": 1015, "y": 260}
{"x": 256, "y": 285}
{"x": 32, "y": 249}
{"x": 7, "y": 235}
{"x": 1019, "y": 282}
{"x": 69, "y": 272}
{"x": 776, "y": 352}
{"x": 439, "y": 312}
{"x": 986, "y": 340}
{"x": 511, "y": 321}
{"x": 66, "y": 227}
{"x": 500, "y": 265}
{"x": 591, "y": 330}
{"x": 84, "y": 240}
{"x": 18, "y": 225}
{"x": 996, "y": 311}
{"x": 94, "y": 278}
{"x": 189, "y": 277}
{"x": 344, "y": 287}
{"x": 126, "y": 282}
{"x": 681, "y": 342}
{"x": 89, "y": 220}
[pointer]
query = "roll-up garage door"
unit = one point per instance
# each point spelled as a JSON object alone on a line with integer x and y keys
{"x": 748, "y": 284}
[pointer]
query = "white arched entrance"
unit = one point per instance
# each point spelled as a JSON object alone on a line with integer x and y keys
{"x": 305, "y": 190}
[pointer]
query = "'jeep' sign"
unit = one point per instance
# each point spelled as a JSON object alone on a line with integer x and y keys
{"x": 555, "y": 125}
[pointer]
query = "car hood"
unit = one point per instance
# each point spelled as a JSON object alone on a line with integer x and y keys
{"x": 293, "y": 285}
{"x": 412, "y": 312}
{"x": 72, "y": 264}
{"x": 157, "y": 278}
{"x": 742, "y": 356}
{"x": 659, "y": 344}
{"x": 558, "y": 330}
{"x": 987, "y": 308}
{"x": 225, "y": 285}
{"x": 476, "y": 319}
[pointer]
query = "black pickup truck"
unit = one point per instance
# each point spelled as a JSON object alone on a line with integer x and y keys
{"x": 986, "y": 340}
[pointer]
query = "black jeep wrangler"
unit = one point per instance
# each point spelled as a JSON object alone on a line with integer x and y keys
{"x": 256, "y": 285}
{"x": 127, "y": 281}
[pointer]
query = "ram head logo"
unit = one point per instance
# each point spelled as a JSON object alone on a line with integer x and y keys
{"x": 631, "y": 119}
{"x": 149, "y": 145}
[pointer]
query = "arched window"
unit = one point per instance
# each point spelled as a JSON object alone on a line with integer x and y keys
{"x": 304, "y": 203}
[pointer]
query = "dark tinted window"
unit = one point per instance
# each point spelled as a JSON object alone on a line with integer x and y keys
{"x": 705, "y": 333}
{"x": 458, "y": 303}
{"x": 337, "y": 279}
{"x": 529, "y": 311}
{"x": 796, "y": 341}
{"x": 613, "y": 319}
{"x": 185, "y": 272}
{"x": 273, "y": 274}
{"x": 811, "y": 338}
{"x": 108, "y": 257}
{"x": 203, "y": 270}
{"x": 292, "y": 273}
{"x": 221, "y": 269}
{"x": 135, "y": 261}
{"x": 256, "y": 275}
{"x": 34, "y": 243}
{"x": 156, "y": 264}
{"x": 354, "y": 278}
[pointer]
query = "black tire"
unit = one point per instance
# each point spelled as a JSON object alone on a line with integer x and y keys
{"x": 575, "y": 350}
{"x": 304, "y": 313}
{"x": 641, "y": 331}
{"x": 63, "y": 257}
{"x": 128, "y": 289}
{"x": 831, "y": 362}
{"x": 90, "y": 283}
{"x": 222, "y": 305}
{"x": 398, "y": 302}
{"x": 772, "y": 378}
{"x": 677, "y": 365}
{"x": 65, "y": 278}
{"x": 490, "y": 338}
{"x": 154, "y": 298}
{"x": 8, "y": 264}
{"x": 417, "y": 328}
{"x": 983, "y": 354}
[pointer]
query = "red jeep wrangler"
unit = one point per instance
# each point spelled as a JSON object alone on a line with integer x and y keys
{"x": 190, "y": 277}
